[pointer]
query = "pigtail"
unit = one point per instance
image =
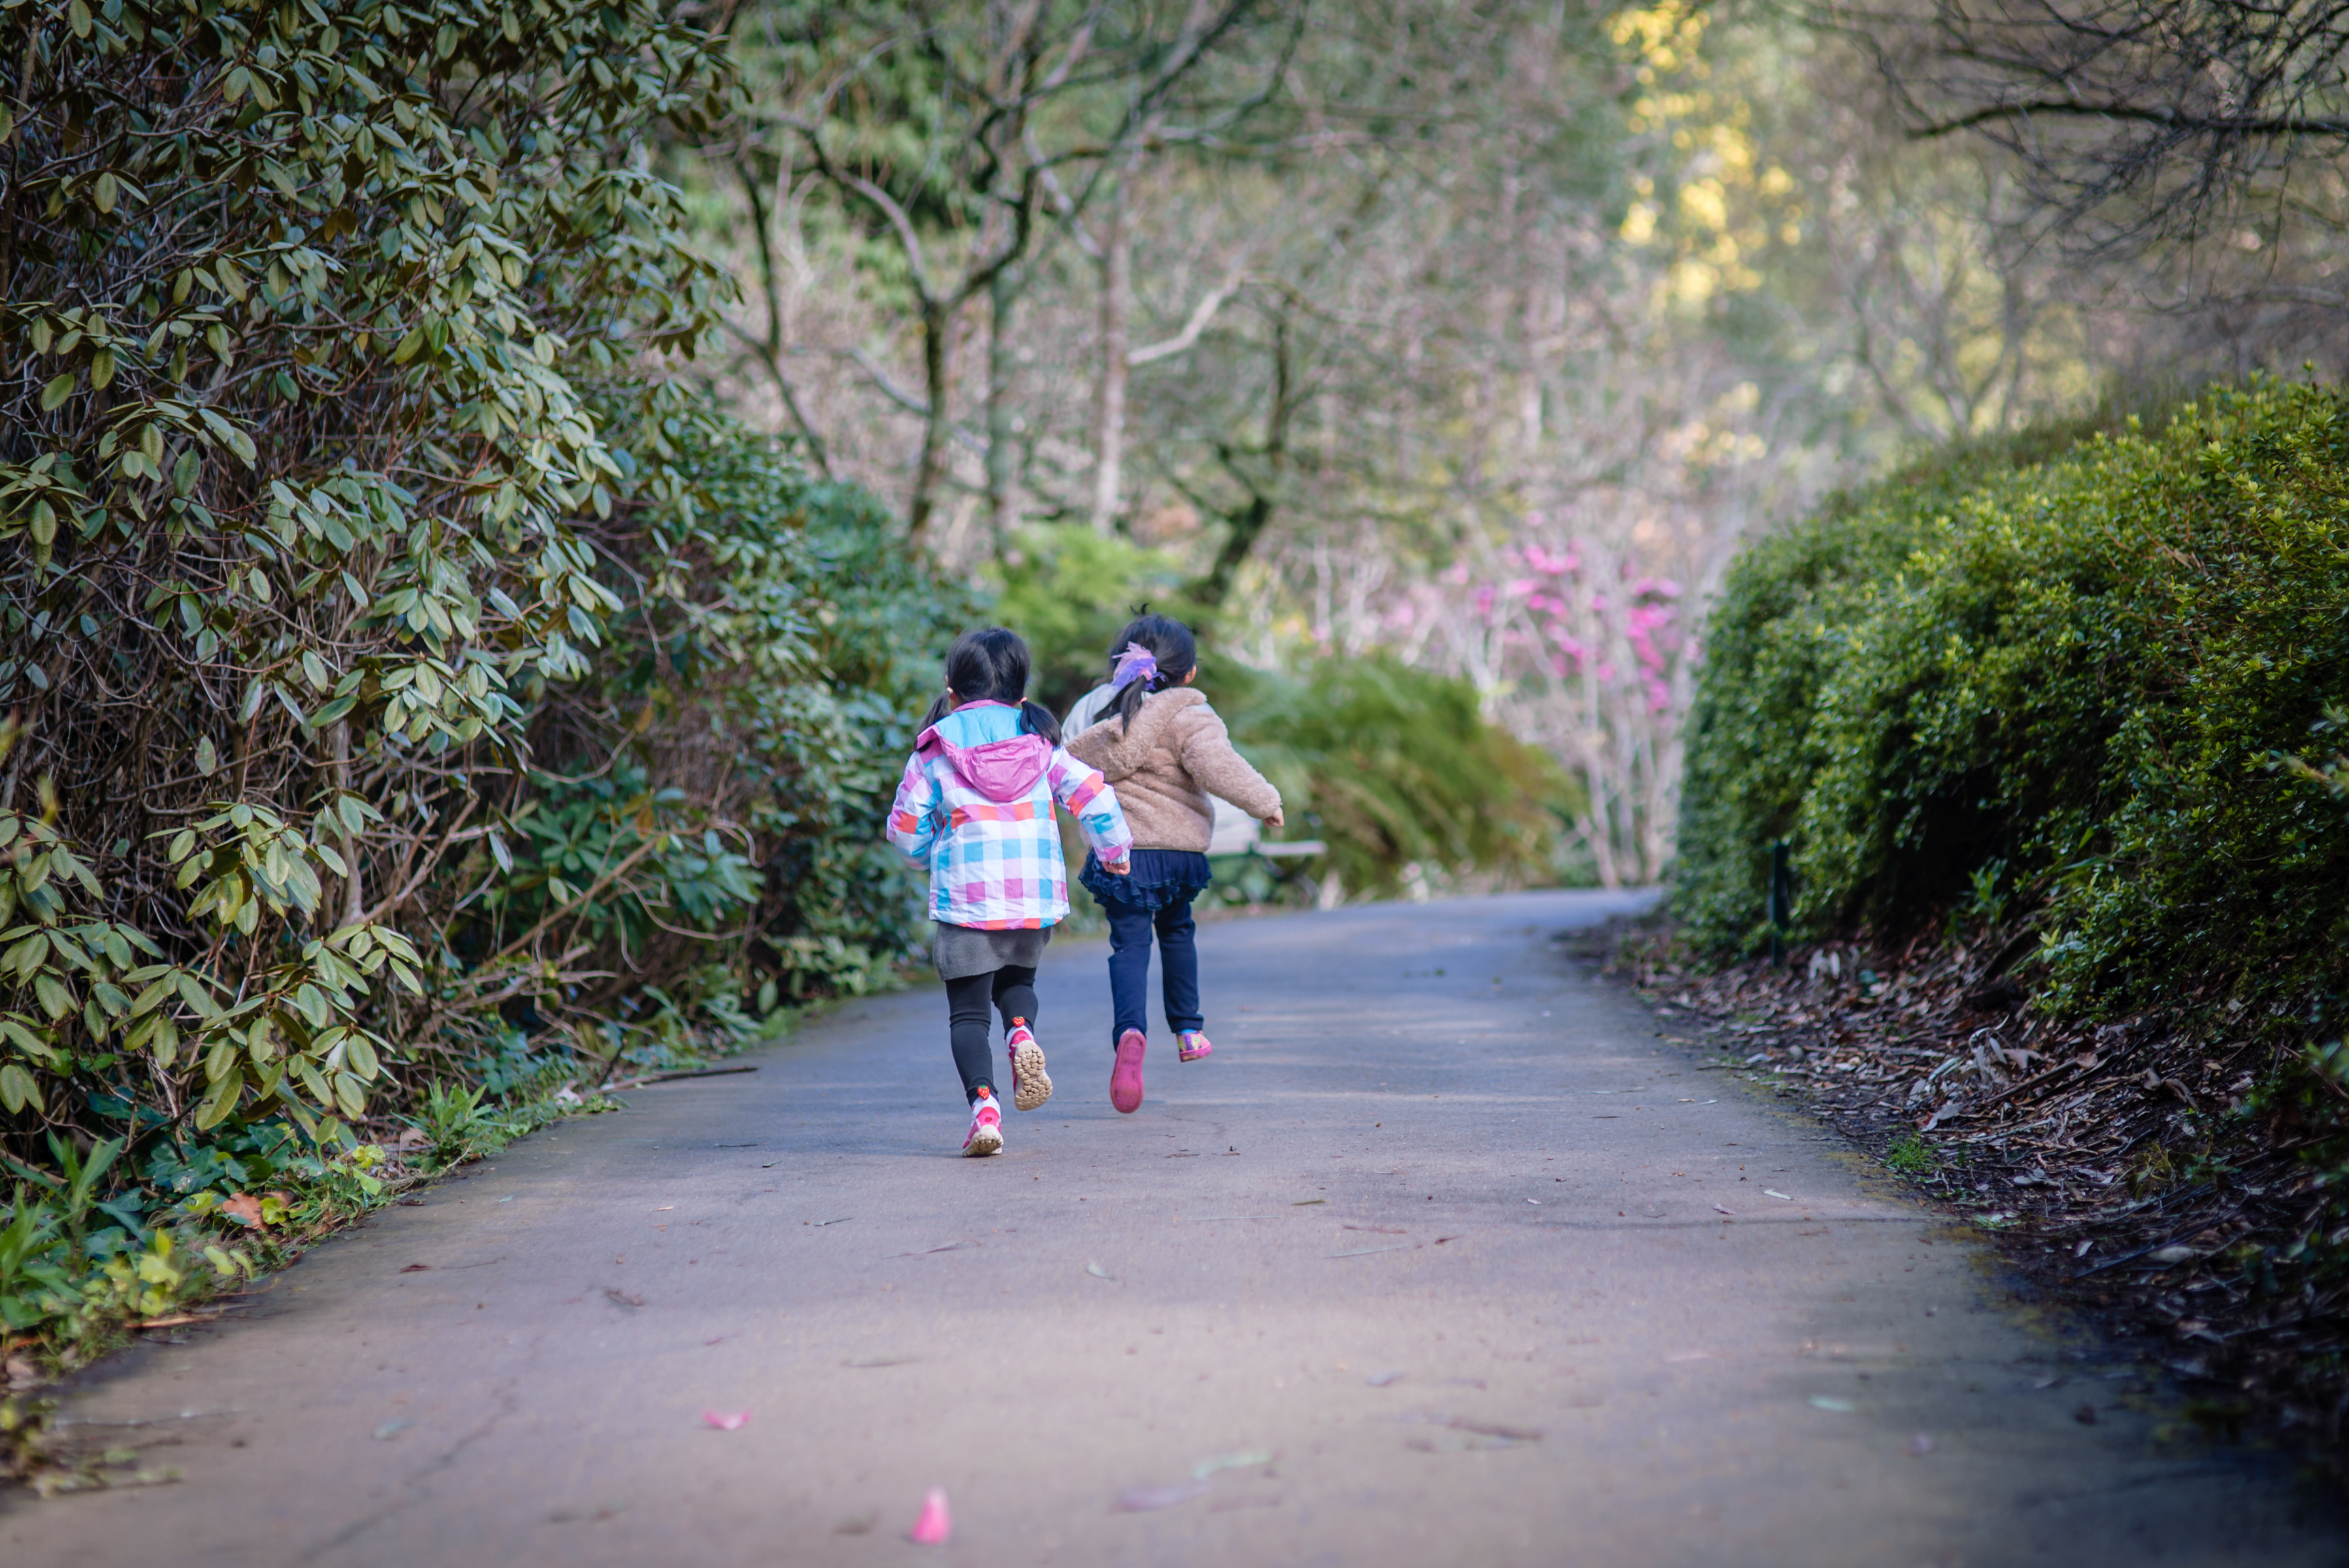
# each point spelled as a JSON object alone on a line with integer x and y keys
{"x": 1156, "y": 652}
{"x": 1041, "y": 720}
{"x": 938, "y": 709}
{"x": 1128, "y": 700}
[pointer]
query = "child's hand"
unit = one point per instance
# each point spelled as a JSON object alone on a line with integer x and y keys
{"x": 1274, "y": 820}
{"x": 1118, "y": 868}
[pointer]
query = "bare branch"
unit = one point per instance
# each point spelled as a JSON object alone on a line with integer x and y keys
{"x": 1201, "y": 315}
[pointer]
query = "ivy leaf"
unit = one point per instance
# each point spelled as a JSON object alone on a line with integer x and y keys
{"x": 55, "y": 999}
{"x": 18, "y": 1090}
{"x": 236, "y": 440}
{"x": 221, "y": 1100}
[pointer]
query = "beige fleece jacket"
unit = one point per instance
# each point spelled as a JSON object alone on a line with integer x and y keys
{"x": 1176, "y": 755}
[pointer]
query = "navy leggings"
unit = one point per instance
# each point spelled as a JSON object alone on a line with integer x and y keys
{"x": 1129, "y": 966}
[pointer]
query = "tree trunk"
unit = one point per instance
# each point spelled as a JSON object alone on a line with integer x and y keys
{"x": 937, "y": 323}
{"x": 1003, "y": 301}
{"x": 771, "y": 347}
{"x": 1247, "y": 525}
{"x": 1109, "y": 398}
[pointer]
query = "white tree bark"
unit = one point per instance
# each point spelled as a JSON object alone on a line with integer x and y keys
{"x": 1109, "y": 398}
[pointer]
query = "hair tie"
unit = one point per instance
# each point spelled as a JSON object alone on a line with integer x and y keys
{"x": 1137, "y": 663}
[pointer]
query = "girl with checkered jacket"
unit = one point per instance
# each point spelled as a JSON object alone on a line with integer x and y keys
{"x": 976, "y": 808}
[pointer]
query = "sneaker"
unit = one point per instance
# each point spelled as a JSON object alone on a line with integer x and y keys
{"x": 1126, "y": 1079}
{"x": 1191, "y": 1046}
{"x": 986, "y": 1128}
{"x": 1031, "y": 1086}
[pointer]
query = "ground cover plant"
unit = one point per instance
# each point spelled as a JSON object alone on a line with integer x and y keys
{"x": 2045, "y": 734}
{"x": 410, "y": 690}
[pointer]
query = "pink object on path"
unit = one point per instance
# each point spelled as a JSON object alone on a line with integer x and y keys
{"x": 727, "y": 1420}
{"x": 936, "y": 1523}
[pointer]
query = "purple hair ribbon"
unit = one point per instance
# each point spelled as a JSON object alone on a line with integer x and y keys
{"x": 1137, "y": 663}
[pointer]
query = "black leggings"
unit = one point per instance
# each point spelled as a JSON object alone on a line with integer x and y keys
{"x": 1012, "y": 990}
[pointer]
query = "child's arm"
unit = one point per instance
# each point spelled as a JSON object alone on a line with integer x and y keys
{"x": 1209, "y": 758}
{"x": 917, "y": 813}
{"x": 1088, "y": 798}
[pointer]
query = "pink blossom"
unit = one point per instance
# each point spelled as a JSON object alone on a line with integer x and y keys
{"x": 1458, "y": 575}
{"x": 1485, "y": 601}
{"x": 1542, "y": 560}
{"x": 1605, "y": 672}
{"x": 1662, "y": 587}
{"x": 1518, "y": 587}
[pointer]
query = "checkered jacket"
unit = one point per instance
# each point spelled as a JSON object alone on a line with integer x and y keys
{"x": 976, "y": 807}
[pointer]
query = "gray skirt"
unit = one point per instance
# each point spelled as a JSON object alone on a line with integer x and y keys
{"x": 961, "y": 951}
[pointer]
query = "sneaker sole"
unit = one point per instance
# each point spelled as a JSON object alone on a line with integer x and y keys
{"x": 1034, "y": 1084}
{"x": 983, "y": 1142}
{"x": 1125, "y": 1078}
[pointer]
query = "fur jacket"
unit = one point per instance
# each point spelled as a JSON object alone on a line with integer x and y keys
{"x": 1176, "y": 756}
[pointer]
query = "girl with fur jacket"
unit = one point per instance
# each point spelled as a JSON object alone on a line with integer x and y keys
{"x": 1166, "y": 753}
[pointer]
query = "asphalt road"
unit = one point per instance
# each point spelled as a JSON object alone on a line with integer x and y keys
{"x": 1446, "y": 1257}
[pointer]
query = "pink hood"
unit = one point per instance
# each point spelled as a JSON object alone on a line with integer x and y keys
{"x": 1002, "y": 771}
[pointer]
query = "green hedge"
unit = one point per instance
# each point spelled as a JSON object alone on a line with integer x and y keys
{"x": 2058, "y": 676}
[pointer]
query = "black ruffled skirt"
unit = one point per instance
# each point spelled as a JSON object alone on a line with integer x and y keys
{"x": 1159, "y": 878}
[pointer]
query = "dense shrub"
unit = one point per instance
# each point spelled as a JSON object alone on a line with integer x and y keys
{"x": 411, "y": 695}
{"x": 309, "y": 303}
{"x": 1398, "y": 770}
{"x": 2059, "y": 687}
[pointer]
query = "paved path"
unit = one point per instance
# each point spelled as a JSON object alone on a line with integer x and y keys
{"x": 1439, "y": 1230}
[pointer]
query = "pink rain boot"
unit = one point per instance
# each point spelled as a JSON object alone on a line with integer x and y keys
{"x": 1126, "y": 1079}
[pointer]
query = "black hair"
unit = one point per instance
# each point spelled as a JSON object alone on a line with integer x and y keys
{"x": 992, "y": 666}
{"x": 1169, "y": 641}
